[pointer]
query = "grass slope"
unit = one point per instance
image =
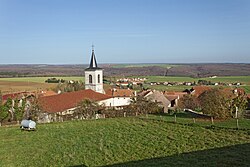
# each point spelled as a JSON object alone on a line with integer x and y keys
{"x": 124, "y": 142}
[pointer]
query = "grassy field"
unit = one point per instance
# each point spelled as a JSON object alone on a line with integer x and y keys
{"x": 246, "y": 88}
{"x": 168, "y": 88}
{"x": 231, "y": 79}
{"x": 20, "y": 86}
{"x": 123, "y": 142}
{"x": 39, "y": 79}
{"x": 10, "y": 85}
{"x": 29, "y": 83}
{"x": 187, "y": 119}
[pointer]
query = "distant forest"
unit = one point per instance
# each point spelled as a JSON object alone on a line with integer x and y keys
{"x": 190, "y": 70}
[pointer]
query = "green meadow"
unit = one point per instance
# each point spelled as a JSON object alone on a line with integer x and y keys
{"x": 230, "y": 79}
{"x": 40, "y": 79}
{"x": 233, "y": 79}
{"x": 123, "y": 142}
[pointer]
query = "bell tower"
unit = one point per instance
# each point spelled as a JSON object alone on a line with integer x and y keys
{"x": 94, "y": 75}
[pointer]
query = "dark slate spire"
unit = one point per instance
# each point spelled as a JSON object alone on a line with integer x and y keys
{"x": 93, "y": 63}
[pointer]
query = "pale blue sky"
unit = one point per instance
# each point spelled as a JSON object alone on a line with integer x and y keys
{"x": 124, "y": 31}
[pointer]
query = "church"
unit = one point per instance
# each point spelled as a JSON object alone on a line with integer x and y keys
{"x": 94, "y": 81}
{"x": 66, "y": 103}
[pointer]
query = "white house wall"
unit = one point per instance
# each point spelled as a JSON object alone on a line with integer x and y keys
{"x": 116, "y": 101}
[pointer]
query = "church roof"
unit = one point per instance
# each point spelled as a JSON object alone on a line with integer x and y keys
{"x": 65, "y": 101}
{"x": 93, "y": 64}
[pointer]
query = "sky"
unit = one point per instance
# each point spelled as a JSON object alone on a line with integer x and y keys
{"x": 124, "y": 31}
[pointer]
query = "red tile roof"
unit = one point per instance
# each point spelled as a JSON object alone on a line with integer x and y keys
{"x": 62, "y": 102}
{"x": 47, "y": 93}
{"x": 13, "y": 95}
{"x": 174, "y": 95}
{"x": 198, "y": 90}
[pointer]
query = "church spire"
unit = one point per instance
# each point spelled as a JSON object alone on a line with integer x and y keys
{"x": 93, "y": 63}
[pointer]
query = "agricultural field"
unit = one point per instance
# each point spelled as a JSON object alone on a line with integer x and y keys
{"x": 10, "y": 85}
{"x": 231, "y": 79}
{"x": 31, "y": 83}
{"x": 144, "y": 65}
{"x": 168, "y": 88}
{"x": 21, "y": 86}
{"x": 241, "y": 79}
{"x": 245, "y": 80}
{"x": 123, "y": 142}
{"x": 39, "y": 79}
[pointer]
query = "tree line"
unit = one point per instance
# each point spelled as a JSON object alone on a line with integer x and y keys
{"x": 216, "y": 102}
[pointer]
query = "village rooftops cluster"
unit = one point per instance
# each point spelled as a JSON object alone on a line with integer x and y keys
{"x": 127, "y": 81}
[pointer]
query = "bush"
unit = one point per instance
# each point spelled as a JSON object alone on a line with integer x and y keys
{"x": 216, "y": 103}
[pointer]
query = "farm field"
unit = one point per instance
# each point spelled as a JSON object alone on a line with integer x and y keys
{"x": 39, "y": 79}
{"x": 30, "y": 83}
{"x": 168, "y": 88}
{"x": 10, "y": 85}
{"x": 187, "y": 119}
{"x": 231, "y": 79}
{"x": 143, "y": 65}
{"x": 20, "y": 86}
{"x": 123, "y": 142}
{"x": 242, "y": 79}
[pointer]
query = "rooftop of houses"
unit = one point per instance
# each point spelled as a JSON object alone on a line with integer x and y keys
{"x": 17, "y": 95}
{"x": 174, "y": 95}
{"x": 198, "y": 90}
{"x": 65, "y": 101}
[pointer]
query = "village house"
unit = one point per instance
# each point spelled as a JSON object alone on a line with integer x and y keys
{"x": 56, "y": 107}
{"x": 120, "y": 97}
{"x": 157, "y": 96}
{"x": 174, "y": 97}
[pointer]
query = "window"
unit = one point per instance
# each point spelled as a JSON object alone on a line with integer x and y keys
{"x": 98, "y": 77}
{"x": 90, "y": 79}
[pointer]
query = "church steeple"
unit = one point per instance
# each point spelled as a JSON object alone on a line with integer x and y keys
{"x": 93, "y": 63}
{"x": 94, "y": 75}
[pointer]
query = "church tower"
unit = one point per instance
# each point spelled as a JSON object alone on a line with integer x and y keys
{"x": 94, "y": 75}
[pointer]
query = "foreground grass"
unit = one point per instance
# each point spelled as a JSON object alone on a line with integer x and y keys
{"x": 187, "y": 119}
{"x": 124, "y": 142}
